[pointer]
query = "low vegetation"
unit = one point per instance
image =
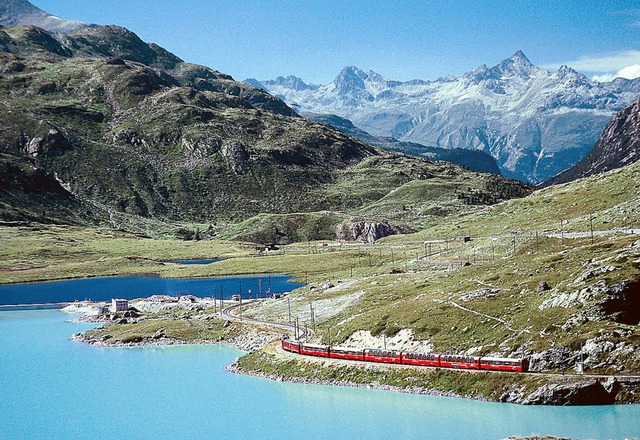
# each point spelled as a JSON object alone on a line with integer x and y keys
{"x": 170, "y": 328}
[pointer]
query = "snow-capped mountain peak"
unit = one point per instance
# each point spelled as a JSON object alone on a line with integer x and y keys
{"x": 533, "y": 122}
{"x": 292, "y": 82}
{"x": 516, "y": 65}
{"x": 350, "y": 79}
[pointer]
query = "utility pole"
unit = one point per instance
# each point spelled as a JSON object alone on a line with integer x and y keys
{"x": 328, "y": 335}
{"x": 313, "y": 318}
{"x": 591, "y": 227}
{"x": 289, "y": 307}
{"x": 221, "y": 299}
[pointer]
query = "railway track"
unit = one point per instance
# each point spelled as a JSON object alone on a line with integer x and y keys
{"x": 227, "y": 313}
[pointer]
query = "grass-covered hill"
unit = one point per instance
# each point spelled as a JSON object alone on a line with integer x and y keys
{"x": 553, "y": 277}
{"x": 127, "y": 128}
{"x": 533, "y": 280}
{"x": 475, "y": 160}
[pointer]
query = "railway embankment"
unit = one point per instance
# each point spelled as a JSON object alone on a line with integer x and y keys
{"x": 527, "y": 389}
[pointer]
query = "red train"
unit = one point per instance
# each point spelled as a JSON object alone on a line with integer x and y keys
{"x": 405, "y": 358}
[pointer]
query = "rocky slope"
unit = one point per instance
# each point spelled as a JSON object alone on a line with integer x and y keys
{"x": 533, "y": 122}
{"x": 132, "y": 128}
{"x": 618, "y": 146}
{"x": 17, "y": 12}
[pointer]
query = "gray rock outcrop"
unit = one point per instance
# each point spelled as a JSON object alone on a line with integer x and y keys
{"x": 589, "y": 392}
{"x": 368, "y": 232}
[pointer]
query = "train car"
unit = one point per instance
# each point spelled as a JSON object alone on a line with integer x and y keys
{"x": 346, "y": 353}
{"x": 426, "y": 360}
{"x": 460, "y": 361}
{"x": 383, "y": 356}
{"x": 314, "y": 350}
{"x": 291, "y": 345}
{"x": 504, "y": 364}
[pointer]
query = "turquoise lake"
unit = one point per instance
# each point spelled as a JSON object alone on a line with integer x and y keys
{"x": 54, "y": 388}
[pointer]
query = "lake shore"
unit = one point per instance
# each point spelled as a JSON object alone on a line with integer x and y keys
{"x": 191, "y": 320}
{"x": 248, "y": 342}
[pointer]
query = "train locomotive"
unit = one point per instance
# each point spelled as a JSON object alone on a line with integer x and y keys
{"x": 406, "y": 358}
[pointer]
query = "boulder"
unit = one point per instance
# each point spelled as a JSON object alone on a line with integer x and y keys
{"x": 543, "y": 286}
{"x": 368, "y": 232}
{"x": 589, "y": 392}
{"x": 54, "y": 143}
{"x": 237, "y": 155}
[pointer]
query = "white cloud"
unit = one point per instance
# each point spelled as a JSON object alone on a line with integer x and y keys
{"x": 624, "y": 64}
{"x": 607, "y": 77}
{"x": 601, "y": 64}
{"x": 629, "y": 72}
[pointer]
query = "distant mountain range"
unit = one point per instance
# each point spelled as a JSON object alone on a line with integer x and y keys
{"x": 17, "y": 12}
{"x": 535, "y": 123}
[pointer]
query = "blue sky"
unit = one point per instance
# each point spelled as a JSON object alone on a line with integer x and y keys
{"x": 399, "y": 39}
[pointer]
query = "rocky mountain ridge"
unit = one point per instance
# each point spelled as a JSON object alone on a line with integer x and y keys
{"x": 618, "y": 146}
{"x": 475, "y": 160}
{"x": 21, "y": 12}
{"x": 535, "y": 123}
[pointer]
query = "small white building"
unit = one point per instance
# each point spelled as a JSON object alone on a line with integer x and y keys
{"x": 119, "y": 305}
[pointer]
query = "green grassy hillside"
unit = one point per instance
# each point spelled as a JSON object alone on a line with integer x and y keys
{"x": 130, "y": 130}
